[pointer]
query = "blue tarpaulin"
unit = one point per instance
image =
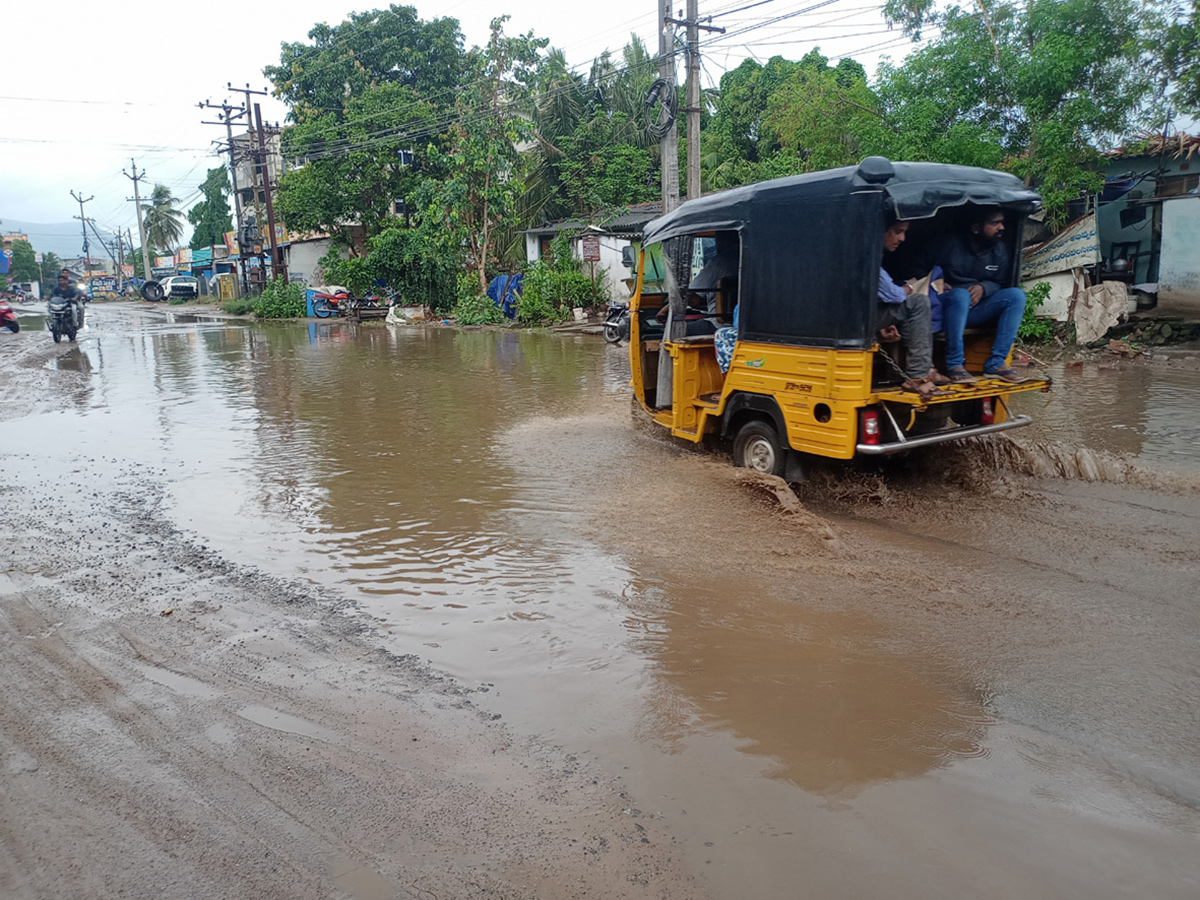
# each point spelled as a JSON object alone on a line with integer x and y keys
{"x": 504, "y": 291}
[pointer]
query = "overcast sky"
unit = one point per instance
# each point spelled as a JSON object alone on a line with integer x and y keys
{"x": 86, "y": 87}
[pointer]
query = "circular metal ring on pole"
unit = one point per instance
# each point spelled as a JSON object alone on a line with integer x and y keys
{"x": 662, "y": 92}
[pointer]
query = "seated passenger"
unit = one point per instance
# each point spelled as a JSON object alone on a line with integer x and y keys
{"x": 904, "y": 314}
{"x": 704, "y": 287}
{"x": 724, "y": 341}
{"x": 975, "y": 264}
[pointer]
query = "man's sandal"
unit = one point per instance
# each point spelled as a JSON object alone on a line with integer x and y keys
{"x": 959, "y": 375}
{"x": 937, "y": 377}
{"x": 925, "y": 388}
{"x": 1004, "y": 373}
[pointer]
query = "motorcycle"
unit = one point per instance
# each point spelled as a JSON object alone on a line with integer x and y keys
{"x": 62, "y": 318}
{"x": 616, "y": 323}
{"x": 8, "y": 318}
{"x": 326, "y": 305}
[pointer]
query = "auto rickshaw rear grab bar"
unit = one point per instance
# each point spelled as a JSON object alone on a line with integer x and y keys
{"x": 941, "y": 437}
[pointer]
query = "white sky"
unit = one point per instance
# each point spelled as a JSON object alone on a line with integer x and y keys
{"x": 86, "y": 86}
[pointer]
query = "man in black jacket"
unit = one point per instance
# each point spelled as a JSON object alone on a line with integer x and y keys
{"x": 975, "y": 266}
{"x": 64, "y": 288}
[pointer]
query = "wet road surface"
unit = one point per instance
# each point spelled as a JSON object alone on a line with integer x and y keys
{"x": 945, "y": 679}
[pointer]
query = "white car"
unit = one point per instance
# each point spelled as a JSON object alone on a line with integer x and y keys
{"x": 180, "y": 286}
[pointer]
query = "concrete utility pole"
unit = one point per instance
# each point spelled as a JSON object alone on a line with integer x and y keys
{"x": 87, "y": 255}
{"x": 227, "y": 117}
{"x": 669, "y": 143}
{"x": 137, "y": 204}
{"x": 279, "y": 270}
{"x": 254, "y": 155}
{"x": 693, "y": 91}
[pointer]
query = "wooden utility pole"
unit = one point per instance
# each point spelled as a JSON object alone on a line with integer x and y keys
{"x": 137, "y": 204}
{"x": 669, "y": 143}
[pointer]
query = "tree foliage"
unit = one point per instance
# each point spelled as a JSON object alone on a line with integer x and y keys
{"x": 210, "y": 217}
{"x": 162, "y": 220}
{"x": 51, "y": 266}
{"x": 366, "y": 98}
{"x": 23, "y": 266}
{"x": 1037, "y": 88}
{"x": 477, "y": 199}
{"x": 1181, "y": 57}
{"x": 785, "y": 117}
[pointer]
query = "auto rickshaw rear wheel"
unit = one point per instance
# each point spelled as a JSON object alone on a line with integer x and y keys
{"x": 757, "y": 447}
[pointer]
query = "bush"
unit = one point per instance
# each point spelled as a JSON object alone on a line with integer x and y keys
{"x": 1034, "y": 328}
{"x": 473, "y": 306}
{"x": 554, "y": 286}
{"x": 239, "y": 306}
{"x": 280, "y": 301}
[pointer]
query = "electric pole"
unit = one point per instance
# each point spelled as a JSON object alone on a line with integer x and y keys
{"x": 278, "y": 269}
{"x": 226, "y": 119}
{"x": 137, "y": 203}
{"x": 255, "y": 151}
{"x": 692, "y": 22}
{"x": 87, "y": 256}
{"x": 669, "y": 143}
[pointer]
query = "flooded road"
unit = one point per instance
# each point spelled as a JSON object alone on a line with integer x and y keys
{"x": 945, "y": 680}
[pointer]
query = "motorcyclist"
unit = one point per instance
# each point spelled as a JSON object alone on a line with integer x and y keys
{"x": 65, "y": 289}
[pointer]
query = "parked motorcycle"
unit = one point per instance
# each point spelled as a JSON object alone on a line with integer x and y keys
{"x": 616, "y": 323}
{"x": 326, "y": 305}
{"x": 61, "y": 318}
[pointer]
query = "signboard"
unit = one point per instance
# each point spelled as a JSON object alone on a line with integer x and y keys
{"x": 1075, "y": 247}
{"x": 591, "y": 249}
{"x": 127, "y": 271}
{"x": 183, "y": 257}
{"x": 164, "y": 262}
{"x": 231, "y": 246}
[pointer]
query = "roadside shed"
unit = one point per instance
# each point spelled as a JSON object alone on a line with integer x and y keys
{"x": 1149, "y": 217}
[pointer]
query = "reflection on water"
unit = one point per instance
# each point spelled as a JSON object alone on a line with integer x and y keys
{"x": 809, "y": 691}
{"x": 1143, "y": 409}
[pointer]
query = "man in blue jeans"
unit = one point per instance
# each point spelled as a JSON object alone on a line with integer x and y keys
{"x": 974, "y": 265}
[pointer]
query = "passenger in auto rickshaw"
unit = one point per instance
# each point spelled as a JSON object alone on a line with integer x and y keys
{"x": 905, "y": 313}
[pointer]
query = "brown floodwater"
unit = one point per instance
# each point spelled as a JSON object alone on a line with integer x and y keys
{"x": 784, "y": 701}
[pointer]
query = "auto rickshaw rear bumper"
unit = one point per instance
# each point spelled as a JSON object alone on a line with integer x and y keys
{"x": 940, "y": 437}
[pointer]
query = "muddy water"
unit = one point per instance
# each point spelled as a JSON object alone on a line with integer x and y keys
{"x": 485, "y": 498}
{"x": 1145, "y": 409}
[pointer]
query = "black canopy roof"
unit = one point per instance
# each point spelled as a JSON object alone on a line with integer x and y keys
{"x": 812, "y": 244}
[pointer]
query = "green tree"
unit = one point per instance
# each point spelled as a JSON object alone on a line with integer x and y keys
{"x": 478, "y": 199}
{"x": 210, "y": 217}
{"x": 785, "y": 117}
{"x": 51, "y": 265}
{"x": 366, "y": 98}
{"x": 162, "y": 220}
{"x": 1038, "y": 88}
{"x": 1181, "y": 57}
{"x": 23, "y": 265}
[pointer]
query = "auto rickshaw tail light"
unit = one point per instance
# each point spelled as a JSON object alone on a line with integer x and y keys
{"x": 870, "y": 426}
{"x": 988, "y": 415}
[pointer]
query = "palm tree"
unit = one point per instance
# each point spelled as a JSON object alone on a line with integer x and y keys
{"x": 163, "y": 222}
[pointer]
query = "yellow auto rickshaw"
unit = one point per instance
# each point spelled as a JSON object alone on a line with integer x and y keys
{"x": 798, "y": 303}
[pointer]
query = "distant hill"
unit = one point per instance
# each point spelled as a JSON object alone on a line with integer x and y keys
{"x": 63, "y": 239}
